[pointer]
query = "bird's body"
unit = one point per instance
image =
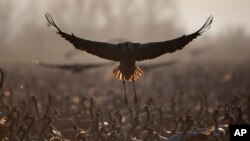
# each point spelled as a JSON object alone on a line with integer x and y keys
{"x": 128, "y": 53}
{"x": 127, "y": 69}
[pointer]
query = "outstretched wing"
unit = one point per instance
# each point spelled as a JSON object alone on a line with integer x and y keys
{"x": 101, "y": 49}
{"x": 155, "y": 49}
{"x": 71, "y": 67}
{"x": 47, "y": 65}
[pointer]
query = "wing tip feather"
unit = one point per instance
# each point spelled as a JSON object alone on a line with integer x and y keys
{"x": 51, "y": 23}
{"x": 207, "y": 25}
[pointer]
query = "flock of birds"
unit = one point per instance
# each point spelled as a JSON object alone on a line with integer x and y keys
{"x": 63, "y": 118}
{"x": 80, "y": 119}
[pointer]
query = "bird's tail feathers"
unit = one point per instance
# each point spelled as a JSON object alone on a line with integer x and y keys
{"x": 137, "y": 74}
{"x": 207, "y": 25}
{"x": 120, "y": 76}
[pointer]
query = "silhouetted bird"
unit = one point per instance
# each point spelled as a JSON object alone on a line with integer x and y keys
{"x": 128, "y": 53}
{"x": 75, "y": 68}
{"x": 2, "y": 77}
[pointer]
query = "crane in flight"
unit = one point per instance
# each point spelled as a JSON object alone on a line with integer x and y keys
{"x": 74, "y": 68}
{"x": 127, "y": 53}
{"x": 78, "y": 67}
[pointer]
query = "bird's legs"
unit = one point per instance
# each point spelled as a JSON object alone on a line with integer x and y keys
{"x": 135, "y": 95}
{"x": 125, "y": 98}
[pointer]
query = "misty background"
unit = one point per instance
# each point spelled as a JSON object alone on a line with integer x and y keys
{"x": 24, "y": 34}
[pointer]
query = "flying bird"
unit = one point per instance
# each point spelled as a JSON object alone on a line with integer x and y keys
{"x": 78, "y": 67}
{"x": 75, "y": 68}
{"x": 127, "y": 53}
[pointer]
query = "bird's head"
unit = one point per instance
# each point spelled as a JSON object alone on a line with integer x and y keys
{"x": 129, "y": 46}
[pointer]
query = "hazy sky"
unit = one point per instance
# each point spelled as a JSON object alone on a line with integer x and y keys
{"x": 227, "y": 13}
{"x": 192, "y": 13}
{"x": 19, "y": 17}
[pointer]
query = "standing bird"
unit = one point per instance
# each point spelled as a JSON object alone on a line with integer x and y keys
{"x": 128, "y": 53}
{"x": 2, "y": 76}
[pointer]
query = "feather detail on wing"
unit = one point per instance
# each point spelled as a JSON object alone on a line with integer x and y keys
{"x": 100, "y": 49}
{"x": 155, "y": 49}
